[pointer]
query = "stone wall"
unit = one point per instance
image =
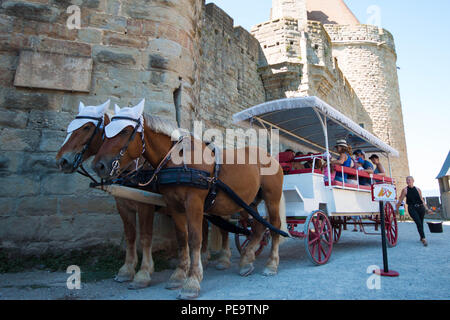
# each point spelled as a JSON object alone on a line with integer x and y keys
{"x": 229, "y": 79}
{"x": 366, "y": 54}
{"x": 137, "y": 49}
{"x": 326, "y": 80}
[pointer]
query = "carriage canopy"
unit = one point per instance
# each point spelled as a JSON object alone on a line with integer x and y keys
{"x": 311, "y": 122}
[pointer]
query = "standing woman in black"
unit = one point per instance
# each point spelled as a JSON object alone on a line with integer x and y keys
{"x": 417, "y": 207}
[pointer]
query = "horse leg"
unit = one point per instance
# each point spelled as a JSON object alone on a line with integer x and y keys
{"x": 224, "y": 260}
{"x": 248, "y": 256}
{"x": 194, "y": 213}
{"x": 128, "y": 216}
{"x": 205, "y": 252}
{"x": 273, "y": 209}
{"x": 143, "y": 277}
{"x": 179, "y": 275}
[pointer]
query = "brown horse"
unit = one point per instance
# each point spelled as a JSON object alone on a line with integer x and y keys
{"x": 186, "y": 203}
{"x": 66, "y": 158}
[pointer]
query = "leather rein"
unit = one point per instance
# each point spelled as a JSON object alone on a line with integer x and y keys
{"x": 78, "y": 161}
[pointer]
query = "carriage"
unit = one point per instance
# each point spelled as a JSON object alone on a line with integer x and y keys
{"x": 319, "y": 208}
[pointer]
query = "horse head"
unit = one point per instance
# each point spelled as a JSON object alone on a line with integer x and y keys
{"x": 84, "y": 137}
{"x": 120, "y": 148}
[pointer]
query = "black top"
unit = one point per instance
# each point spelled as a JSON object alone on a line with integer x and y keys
{"x": 412, "y": 196}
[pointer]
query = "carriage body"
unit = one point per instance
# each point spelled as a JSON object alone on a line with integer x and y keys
{"x": 318, "y": 208}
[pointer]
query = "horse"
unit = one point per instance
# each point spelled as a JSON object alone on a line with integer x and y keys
{"x": 87, "y": 137}
{"x": 186, "y": 203}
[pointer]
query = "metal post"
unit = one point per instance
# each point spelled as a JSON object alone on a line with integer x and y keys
{"x": 385, "y": 272}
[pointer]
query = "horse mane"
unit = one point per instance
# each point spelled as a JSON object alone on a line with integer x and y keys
{"x": 160, "y": 124}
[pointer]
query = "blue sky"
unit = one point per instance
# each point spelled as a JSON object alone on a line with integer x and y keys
{"x": 422, "y": 36}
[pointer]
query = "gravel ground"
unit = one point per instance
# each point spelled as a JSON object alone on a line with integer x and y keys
{"x": 424, "y": 274}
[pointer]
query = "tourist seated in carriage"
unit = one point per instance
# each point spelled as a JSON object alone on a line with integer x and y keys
{"x": 298, "y": 165}
{"x": 318, "y": 165}
{"x": 379, "y": 169}
{"x": 363, "y": 164}
{"x": 344, "y": 160}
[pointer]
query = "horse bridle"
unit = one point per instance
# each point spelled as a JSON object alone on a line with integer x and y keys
{"x": 116, "y": 161}
{"x": 79, "y": 156}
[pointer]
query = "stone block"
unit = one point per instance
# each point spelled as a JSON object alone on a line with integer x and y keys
{"x": 38, "y": 120}
{"x": 37, "y": 206}
{"x": 116, "y": 56}
{"x": 13, "y": 119}
{"x": 19, "y": 139}
{"x": 23, "y": 100}
{"x": 108, "y": 22}
{"x": 124, "y": 40}
{"x": 40, "y": 164}
{"x": 90, "y": 35}
{"x": 18, "y": 186}
{"x": 64, "y": 184}
{"x": 51, "y": 140}
{"x": 87, "y": 204}
{"x": 30, "y": 11}
{"x": 53, "y": 71}
{"x": 7, "y": 206}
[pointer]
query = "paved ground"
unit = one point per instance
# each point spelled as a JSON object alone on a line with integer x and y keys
{"x": 424, "y": 274}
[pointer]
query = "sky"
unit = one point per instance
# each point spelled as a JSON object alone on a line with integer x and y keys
{"x": 422, "y": 37}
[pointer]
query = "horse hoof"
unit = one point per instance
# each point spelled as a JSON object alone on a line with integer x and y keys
{"x": 188, "y": 294}
{"x": 123, "y": 278}
{"x": 174, "y": 285}
{"x": 138, "y": 285}
{"x": 269, "y": 272}
{"x": 246, "y": 270}
{"x": 222, "y": 266}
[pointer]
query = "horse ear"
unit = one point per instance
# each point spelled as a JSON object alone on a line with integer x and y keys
{"x": 139, "y": 109}
{"x": 116, "y": 109}
{"x": 80, "y": 107}
{"x": 102, "y": 109}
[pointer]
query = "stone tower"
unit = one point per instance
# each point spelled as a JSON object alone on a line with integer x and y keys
{"x": 123, "y": 50}
{"x": 366, "y": 55}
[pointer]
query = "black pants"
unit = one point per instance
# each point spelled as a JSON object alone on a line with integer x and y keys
{"x": 417, "y": 214}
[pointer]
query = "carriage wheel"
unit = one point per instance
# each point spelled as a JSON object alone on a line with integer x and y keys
{"x": 336, "y": 223}
{"x": 318, "y": 240}
{"x": 391, "y": 225}
{"x": 242, "y": 241}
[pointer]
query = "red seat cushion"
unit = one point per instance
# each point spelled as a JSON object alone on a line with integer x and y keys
{"x": 300, "y": 171}
{"x": 287, "y": 167}
{"x": 285, "y": 157}
{"x": 349, "y": 185}
{"x": 364, "y": 174}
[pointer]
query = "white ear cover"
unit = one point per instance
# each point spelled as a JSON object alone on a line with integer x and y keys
{"x": 80, "y": 107}
{"x": 104, "y": 107}
{"x": 139, "y": 109}
{"x": 116, "y": 109}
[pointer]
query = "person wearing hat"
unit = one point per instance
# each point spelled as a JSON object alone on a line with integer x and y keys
{"x": 344, "y": 160}
{"x": 379, "y": 169}
{"x": 363, "y": 164}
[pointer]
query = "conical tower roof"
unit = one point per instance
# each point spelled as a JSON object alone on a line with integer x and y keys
{"x": 330, "y": 11}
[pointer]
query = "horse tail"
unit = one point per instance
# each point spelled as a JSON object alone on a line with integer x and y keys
{"x": 215, "y": 240}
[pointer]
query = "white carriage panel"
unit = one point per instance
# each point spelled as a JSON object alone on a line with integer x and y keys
{"x": 347, "y": 202}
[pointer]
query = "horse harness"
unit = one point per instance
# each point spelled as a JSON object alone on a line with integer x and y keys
{"x": 78, "y": 161}
{"x": 189, "y": 177}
